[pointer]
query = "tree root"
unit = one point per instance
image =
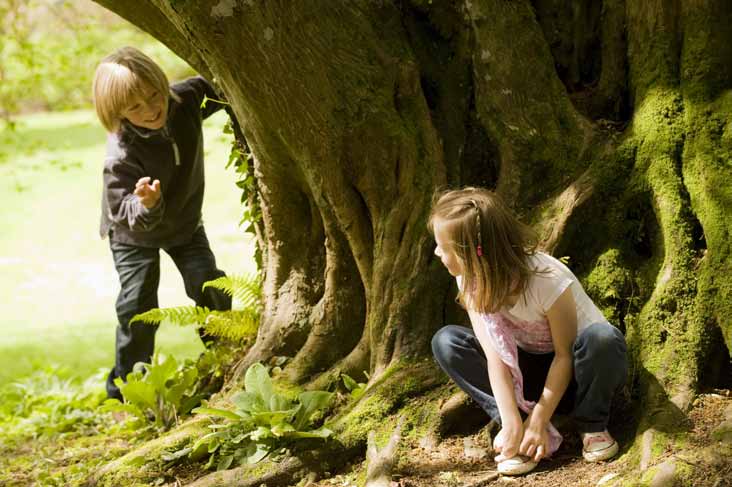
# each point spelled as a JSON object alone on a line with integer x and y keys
{"x": 309, "y": 464}
{"x": 381, "y": 462}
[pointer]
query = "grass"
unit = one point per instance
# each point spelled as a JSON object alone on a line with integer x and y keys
{"x": 57, "y": 280}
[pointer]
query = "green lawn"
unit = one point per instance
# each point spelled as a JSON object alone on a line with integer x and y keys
{"x": 57, "y": 281}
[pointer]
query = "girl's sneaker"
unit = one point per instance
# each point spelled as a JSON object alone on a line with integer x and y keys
{"x": 598, "y": 446}
{"x": 517, "y": 465}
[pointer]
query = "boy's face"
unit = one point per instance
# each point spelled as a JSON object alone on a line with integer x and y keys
{"x": 147, "y": 109}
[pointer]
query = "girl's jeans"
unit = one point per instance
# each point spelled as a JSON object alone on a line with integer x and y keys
{"x": 600, "y": 368}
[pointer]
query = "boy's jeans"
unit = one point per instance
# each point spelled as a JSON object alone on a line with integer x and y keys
{"x": 139, "y": 275}
{"x": 600, "y": 368}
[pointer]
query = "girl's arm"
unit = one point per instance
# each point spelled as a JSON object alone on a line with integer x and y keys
{"x": 502, "y": 386}
{"x": 562, "y": 317}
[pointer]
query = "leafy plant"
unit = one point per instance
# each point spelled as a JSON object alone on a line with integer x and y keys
{"x": 161, "y": 390}
{"x": 356, "y": 389}
{"x": 233, "y": 324}
{"x": 47, "y": 404}
{"x": 262, "y": 422}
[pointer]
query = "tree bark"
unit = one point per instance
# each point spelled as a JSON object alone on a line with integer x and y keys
{"x": 606, "y": 125}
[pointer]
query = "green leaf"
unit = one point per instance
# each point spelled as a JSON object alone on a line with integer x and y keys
{"x": 207, "y": 440}
{"x": 311, "y": 402}
{"x": 318, "y": 433}
{"x": 139, "y": 394}
{"x": 225, "y": 462}
{"x": 280, "y": 403}
{"x": 171, "y": 457}
{"x": 271, "y": 418}
{"x": 282, "y": 429}
{"x": 259, "y": 453}
{"x": 221, "y": 413}
{"x": 261, "y": 433}
{"x": 349, "y": 382}
{"x": 249, "y": 402}
{"x": 257, "y": 381}
{"x": 159, "y": 373}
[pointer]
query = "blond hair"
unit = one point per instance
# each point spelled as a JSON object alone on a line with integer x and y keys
{"x": 491, "y": 243}
{"x": 121, "y": 76}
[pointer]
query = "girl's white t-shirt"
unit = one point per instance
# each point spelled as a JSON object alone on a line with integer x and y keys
{"x": 551, "y": 279}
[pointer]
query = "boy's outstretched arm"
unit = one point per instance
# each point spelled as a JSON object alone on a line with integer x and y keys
{"x": 202, "y": 88}
{"x": 125, "y": 206}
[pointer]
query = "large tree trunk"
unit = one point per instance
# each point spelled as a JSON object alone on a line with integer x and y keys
{"x": 606, "y": 124}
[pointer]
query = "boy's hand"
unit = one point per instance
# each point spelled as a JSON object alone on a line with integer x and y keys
{"x": 149, "y": 194}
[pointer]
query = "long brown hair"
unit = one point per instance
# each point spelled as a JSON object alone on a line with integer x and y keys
{"x": 477, "y": 221}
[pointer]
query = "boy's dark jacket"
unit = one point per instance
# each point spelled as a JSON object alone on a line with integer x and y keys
{"x": 172, "y": 154}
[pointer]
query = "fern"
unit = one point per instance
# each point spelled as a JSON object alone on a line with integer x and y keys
{"x": 233, "y": 324}
{"x": 180, "y": 315}
{"x": 247, "y": 289}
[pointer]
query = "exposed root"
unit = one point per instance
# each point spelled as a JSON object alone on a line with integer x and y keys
{"x": 381, "y": 462}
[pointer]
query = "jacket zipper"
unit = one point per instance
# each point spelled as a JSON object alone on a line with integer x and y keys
{"x": 176, "y": 153}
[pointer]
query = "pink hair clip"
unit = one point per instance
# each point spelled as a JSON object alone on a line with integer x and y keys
{"x": 480, "y": 251}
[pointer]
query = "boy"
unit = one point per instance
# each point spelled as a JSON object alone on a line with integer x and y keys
{"x": 153, "y": 192}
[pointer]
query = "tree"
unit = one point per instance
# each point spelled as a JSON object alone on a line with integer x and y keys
{"x": 603, "y": 123}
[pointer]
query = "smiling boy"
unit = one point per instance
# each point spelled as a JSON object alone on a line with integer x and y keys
{"x": 153, "y": 192}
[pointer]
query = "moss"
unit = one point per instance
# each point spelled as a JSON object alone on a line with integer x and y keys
{"x": 145, "y": 462}
{"x": 402, "y": 380}
{"x": 610, "y": 284}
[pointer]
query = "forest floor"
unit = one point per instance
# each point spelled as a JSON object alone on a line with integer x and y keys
{"x": 463, "y": 460}
{"x": 467, "y": 461}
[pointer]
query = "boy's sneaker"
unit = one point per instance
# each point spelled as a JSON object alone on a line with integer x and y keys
{"x": 517, "y": 465}
{"x": 598, "y": 446}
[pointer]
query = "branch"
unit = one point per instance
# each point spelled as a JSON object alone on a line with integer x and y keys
{"x": 148, "y": 17}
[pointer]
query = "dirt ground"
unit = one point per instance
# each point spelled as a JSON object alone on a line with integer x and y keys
{"x": 467, "y": 461}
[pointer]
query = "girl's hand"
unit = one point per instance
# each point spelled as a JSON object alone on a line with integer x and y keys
{"x": 508, "y": 440}
{"x": 148, "y": 194}
{"x": 535, "y": 442}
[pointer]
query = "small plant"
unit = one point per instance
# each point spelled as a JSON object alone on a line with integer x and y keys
{"x": 46, "y": 404}
{"x": 161, "y": 390}
{"x": 356, "y": 389}
{"x": 261, "y": 423}
{"x": 235, "y": 325}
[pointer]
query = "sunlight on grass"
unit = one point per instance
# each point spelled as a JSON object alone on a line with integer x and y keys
{"x": 58, "y": 284}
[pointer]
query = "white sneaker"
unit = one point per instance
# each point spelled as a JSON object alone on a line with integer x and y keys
{"x": 598, "y": 446}
{"x": 517, "y": 465}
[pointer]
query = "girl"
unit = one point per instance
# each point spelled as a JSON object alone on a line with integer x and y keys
{"x": 530, "y": 318}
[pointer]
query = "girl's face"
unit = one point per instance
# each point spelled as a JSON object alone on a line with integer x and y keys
{"x": 148, "y": 109}
{"x": 444, "y": 251}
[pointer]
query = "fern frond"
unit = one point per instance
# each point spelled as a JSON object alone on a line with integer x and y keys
{"x": 246, "y": 288}
{"x": 180, "y": 315}
{"x": 233, "y": 325}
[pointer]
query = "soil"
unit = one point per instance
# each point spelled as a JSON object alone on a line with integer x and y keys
{"x": 467, "y": 460}
{"x": 461, "y": 459}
